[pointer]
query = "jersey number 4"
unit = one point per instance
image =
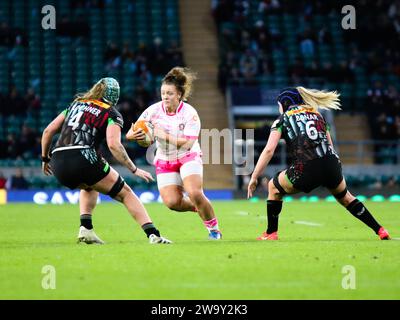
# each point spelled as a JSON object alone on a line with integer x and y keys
{"x": 74, "y": 120}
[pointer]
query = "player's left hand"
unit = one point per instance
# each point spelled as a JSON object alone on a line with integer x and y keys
{"x": 251, "y": 187}
{"x": 144, "y": 175}
{"x": 46, "y": 169}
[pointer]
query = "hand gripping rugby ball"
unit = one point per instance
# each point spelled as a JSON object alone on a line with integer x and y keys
{"x": 148, "y": 129}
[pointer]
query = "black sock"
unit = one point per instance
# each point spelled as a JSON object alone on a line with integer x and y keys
{"x": 86, "y": 221}
{"x": 274, "y": 208}
{"x": 149, "y": 229}
{"x": 358, "y": 210}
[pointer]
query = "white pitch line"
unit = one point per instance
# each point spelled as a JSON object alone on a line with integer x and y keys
{"x": 242, "y": 213}
{"x": 308, "y": 223}
{"x": 395, "y": 238}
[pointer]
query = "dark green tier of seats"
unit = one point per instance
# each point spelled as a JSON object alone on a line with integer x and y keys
{"x": 289, "y": 26}
{"x": 58, "y": 67}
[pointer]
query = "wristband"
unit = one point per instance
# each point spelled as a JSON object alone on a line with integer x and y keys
{"x": 134, "y": 171}
{"x": 45, "y": 159}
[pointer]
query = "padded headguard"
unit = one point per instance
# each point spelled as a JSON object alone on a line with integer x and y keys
{"x": 289, "y": 97}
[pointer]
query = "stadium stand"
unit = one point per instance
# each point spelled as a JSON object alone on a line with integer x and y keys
{"x": 278, "y": 43}
{"x": 41, "y": 70}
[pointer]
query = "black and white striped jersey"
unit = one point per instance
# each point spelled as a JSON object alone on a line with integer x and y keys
{"x": 305, "y": 133}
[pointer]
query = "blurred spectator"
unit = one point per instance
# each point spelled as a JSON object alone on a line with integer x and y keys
{"x": 15, "y": 104}
{"x": 32, "y": 100}
{"x": 174, "y": 55}
{"x": 324, "y": 36}
{"x": 307, "y": 43}
{"x": 3, "y": 181}
{"x": 269, "y": 7}
{"x": 13, "y": 147}
{"x": 112, "y": 52}
{"x": 17, "y": 181}
{"x": 27, "y": 141}
{"x": 344, "y": 72}
{"x": 391, "y": 183}
{"x": 10, "y": 36}
{"x": 248, "y": 65}
{"x": 37, "y": 148}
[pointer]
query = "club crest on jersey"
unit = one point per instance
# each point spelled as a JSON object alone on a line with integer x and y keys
{"x": 181, "y": 126}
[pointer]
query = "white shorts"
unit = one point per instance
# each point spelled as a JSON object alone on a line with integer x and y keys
{"x": 173, "y": 173}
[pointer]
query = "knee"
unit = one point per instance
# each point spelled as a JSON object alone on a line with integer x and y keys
{"x": 272, "y": 190}
{"x": 196, "y": 196}
{"x": 172, "y": 203}
{"x": 347, "y": 199}
{"x": 122, "y": 193}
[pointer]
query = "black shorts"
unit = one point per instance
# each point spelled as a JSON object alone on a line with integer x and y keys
{"x": 325, "y": 171}
{"x": 77, "y": 166}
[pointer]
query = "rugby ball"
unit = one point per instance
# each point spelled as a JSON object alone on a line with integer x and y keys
{"x": 148, "y": 130}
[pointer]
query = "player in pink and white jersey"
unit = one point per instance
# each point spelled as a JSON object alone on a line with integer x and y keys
{"x": 179, "y": 167}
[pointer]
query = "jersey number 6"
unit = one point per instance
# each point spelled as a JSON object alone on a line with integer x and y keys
{"x": 311, "y": 130}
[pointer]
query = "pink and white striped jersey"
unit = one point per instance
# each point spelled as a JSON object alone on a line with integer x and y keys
{"x": 185, "y": 123}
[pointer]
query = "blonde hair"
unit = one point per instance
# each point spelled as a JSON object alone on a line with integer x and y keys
{"x": 317, "y": 99}
{"x": 96, "y": 92}
{"x": 183, "y": 79}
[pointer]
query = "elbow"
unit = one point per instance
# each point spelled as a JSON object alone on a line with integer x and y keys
{"x": 114, "y": 146}
{"x": 50, "y": 130}
{"x": 47, "y": 132}
{"x": 269, "y": 152}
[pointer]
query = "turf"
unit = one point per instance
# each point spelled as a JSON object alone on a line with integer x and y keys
{"x": 316, "y": 241}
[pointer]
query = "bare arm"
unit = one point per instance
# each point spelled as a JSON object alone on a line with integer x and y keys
{"x": 48, "y": 133}
{"x": 117, "y": 149}
{"x": 47, "y": 136}
{"x": 263, "y": 160}
{"x": 328, "y": 136}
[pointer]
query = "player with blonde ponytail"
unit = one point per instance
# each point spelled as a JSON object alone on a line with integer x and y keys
{"x": 178, "y": 163}
{"x": 314, "y": 161}
{"x": 316, "y": 99}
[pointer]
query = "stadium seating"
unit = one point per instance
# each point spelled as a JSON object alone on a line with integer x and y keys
{"x": 289, "y": 26}
{"x": 57, "y": 66}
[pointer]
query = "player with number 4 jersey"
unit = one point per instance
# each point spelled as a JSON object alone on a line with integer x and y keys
{"x": 77, "y": 164}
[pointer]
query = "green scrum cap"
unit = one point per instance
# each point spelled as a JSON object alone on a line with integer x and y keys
{"x": 111, "y": 94}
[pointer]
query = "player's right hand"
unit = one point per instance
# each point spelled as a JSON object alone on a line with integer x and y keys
{"x": 144, "y": 175}
{"x": 251, "y": 187}
{"x": 135, "y": 135}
